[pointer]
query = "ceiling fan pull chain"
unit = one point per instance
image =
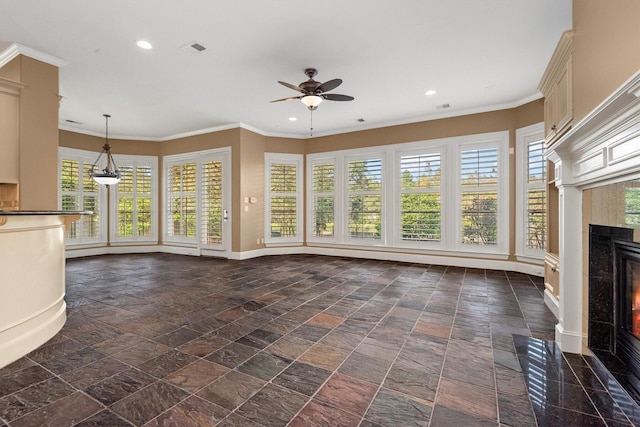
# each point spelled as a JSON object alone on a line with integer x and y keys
{"x": 311, "y": 112}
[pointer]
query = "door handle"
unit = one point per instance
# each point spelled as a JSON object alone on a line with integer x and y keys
{"x": 225, "y": 215}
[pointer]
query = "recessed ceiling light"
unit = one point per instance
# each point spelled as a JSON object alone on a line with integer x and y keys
{"x": 430, "y": 92}
{"x": 292, "y": 119}
{"x": 144, "y": 44}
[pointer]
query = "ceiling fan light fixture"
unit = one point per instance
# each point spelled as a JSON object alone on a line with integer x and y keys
{"x": 311, "y": 101}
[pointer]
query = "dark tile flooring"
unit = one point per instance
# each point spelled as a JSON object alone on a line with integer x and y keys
{"x": 160, "y": 340}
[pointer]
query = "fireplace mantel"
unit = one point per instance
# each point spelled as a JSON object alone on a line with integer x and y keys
{"x": 604, "y": 145}
{"x": 601, "y": 149}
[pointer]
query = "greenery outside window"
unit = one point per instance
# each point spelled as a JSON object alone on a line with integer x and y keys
{"x": 364, "y": 198}
{"x": 283, "y": 194}
{"x": 531, "y": 193}
{"x": 78, "y": 192}
{"x": 420, "y": 197}
{"x": 135, "y": 217}
{"x": 323, "y": 210}
{"x": 479, "y": 197}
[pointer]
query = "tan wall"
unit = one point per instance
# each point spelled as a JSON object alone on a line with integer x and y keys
{"x": 249, "y": 148}
{"x": 251, "y": 170}
{"x": 606, "y": 50}
{"x": 38, "y": 132}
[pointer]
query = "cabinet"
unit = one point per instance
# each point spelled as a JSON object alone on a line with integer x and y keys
{"x": 552, "y": 274}
{"x": 557, "y": 87}
{"x": 9, "y": 125}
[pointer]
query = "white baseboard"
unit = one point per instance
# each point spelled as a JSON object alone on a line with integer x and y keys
{"x": 568, "y": 341}
{"x": 552, "y": 303}
{"x": 462, "y": 261}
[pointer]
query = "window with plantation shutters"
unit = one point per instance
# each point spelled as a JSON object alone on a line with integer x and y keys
{"x": 284, "y": 198}
{"x": 323, "y": 177}
{"x": 420, "y": 197}
{"x": 444, "y": 194}
{"x": 134, "y": 204}
{"x": 197, "y": 197}
{"x": 211, "y": 203}
{"x": 364, "y": 198}
{"x": 531, "y": 193}
{"x": 181, "y": 200}
{"x": 536, "y": 201}
{"x": 479, "y": 196}
{"x": 78, "y": 192}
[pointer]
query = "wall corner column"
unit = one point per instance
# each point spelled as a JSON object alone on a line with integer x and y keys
{"x": 569, "y": 330}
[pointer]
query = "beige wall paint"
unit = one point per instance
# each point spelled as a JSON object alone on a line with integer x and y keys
{"x": 38, "y": 132}
{"x": 606, "y": 50}
{"x": 248, "y": 150}
{"x": 252, "y": 149}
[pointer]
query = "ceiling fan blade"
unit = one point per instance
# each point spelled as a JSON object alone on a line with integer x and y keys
{"x": 290, "y": 86}
{"x": 287, "y": 99}
{"x": 336, "y": 97}
{"x": 329, "y": 85}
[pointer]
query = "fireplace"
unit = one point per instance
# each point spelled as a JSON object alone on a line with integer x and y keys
{"x": 627, "y": 285}
{"x": 614, "y": 303}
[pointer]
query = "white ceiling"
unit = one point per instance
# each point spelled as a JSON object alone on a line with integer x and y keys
{"x": 477, "y": 55}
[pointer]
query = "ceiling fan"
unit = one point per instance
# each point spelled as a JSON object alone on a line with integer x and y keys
{"x": 314, "y": 92}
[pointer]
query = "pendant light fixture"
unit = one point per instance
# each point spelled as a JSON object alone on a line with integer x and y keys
{"x": 109, "y": 175}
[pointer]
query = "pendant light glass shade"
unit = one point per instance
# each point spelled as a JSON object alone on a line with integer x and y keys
{"x": 109, "y": 175}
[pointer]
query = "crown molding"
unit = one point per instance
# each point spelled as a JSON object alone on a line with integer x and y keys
{"x": 18, "y": 49}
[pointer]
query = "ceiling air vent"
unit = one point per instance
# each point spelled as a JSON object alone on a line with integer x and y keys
{"x": 442, "y": 106}
{"x": 73, "y": 121}
{"x": 193, "y": 48}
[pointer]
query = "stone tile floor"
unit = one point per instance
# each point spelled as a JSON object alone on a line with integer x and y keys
{"x": 160, "y": 339}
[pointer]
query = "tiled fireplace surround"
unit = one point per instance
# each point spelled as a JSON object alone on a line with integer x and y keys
{"x": 599, "y": 153}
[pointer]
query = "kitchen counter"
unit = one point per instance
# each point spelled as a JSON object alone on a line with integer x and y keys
{"x": 32, "y": 279}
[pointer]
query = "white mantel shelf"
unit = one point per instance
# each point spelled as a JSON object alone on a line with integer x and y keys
{"x": 601, "y": 149}
{"x": 605, "y": 145}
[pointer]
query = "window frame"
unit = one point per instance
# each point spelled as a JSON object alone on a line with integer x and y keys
{"x": 287, "y": 159}
{"x": 427, "y": 150}
{"x": 346, "y": 235}
{"x": 199, "y": 157}
{"x": 337, "y": 219}
{"x": 88, "y": 158}
{"x": 135, "y": 161}
{"x": 450, "y": 149}
{"x": 524, "y": 136}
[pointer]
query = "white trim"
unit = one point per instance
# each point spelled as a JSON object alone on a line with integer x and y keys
{"x": 552, "y": 303}
{"x": 382, "y": 255}
{"x": 288, "y": 159}
{"x": 199, "y": 157}
{"x": 88, "y": 157}
{"x": 19, "y": 49}
{"x": 135, "y": 161}
{"x": 524, "y": 136}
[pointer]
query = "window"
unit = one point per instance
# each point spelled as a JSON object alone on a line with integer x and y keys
{"x": 284, "y": 198}
{"x": 134, "y": 217}
{"x": 78, "y": 192}
{"x": 212, "y": 203}
{"x": 446, "y": 195}
{"x": 479, "y": 196}
{"x": 420, "y": 197}
{"x": 531, "y": 192}
{"x": 181, "y": 200}
{"x": 323, "y": 177}
{"x": 198, "y": 199}
{"x": 364, "y": 198}
{"x": 632, "y": 204}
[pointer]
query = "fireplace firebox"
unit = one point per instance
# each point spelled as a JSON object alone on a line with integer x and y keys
{"x": 627, "y": 279}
